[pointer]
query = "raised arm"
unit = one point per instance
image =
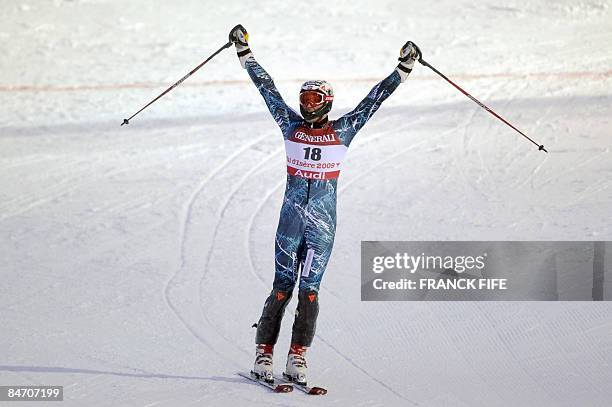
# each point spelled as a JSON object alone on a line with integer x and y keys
{"x": 282, "y": 113}
{"x": 349, "y": 124}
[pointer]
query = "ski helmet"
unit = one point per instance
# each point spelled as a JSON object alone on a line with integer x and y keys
{"x": 316, "y": 99}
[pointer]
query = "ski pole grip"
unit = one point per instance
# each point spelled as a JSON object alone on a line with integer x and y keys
{"x": 234, "y": 40}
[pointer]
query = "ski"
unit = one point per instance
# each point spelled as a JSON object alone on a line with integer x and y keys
{"x": 314, "y": 390}
{"x": 283, "y": 387}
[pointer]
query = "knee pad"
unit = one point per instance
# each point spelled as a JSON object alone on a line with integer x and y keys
{"x": 306, "y": 315}
{"x": 269, "y": 323}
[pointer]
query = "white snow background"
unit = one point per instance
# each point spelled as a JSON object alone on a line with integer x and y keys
{"x": 134, "y": 259}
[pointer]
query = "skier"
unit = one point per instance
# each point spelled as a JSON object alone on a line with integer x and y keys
{"x": 315, "y": 147}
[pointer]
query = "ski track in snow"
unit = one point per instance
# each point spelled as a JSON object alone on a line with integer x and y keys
{"x": 464, "y": 140}
{"x": 249, "y": 229}
{"x": 220, "y": 217}
{"x": 184, "y": 226}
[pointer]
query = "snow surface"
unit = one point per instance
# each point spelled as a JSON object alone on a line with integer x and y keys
{"x": 135, "y": 259}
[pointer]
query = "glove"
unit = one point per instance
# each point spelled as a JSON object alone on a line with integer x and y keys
{"x": 408, "y": 55}
{"x": 240, "y": 37}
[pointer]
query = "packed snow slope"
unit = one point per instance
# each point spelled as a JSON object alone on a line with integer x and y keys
{"x": 136, "y": 258}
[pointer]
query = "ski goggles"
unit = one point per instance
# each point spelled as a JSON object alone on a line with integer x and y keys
{"x": 312, "y": 98}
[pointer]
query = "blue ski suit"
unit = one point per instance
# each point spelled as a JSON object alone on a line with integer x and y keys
{"x": 307, "y": 224}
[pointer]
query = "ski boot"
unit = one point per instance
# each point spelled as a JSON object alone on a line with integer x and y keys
{"x": 295, "y": 370}
{"x": 262, "y": 369}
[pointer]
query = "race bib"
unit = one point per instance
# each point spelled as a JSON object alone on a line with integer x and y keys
{"x": 314, "y": 153}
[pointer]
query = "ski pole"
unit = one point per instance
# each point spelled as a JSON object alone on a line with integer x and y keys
{"x": 229, "y": 44}
{"x": 478, "y": 102}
